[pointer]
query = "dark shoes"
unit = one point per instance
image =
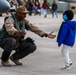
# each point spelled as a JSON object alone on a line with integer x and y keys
{"x": 16, "y": 61}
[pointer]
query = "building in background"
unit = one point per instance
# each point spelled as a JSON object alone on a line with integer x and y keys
{"x": 72, "y": 1}
{"x": 73, "y": 7}
{"x": 71, "y": 4}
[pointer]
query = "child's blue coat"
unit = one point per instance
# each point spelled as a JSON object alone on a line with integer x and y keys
{"x": 66, "y": 33}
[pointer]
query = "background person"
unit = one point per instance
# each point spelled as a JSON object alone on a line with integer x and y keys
{"x": 30, "y": 5}
{"x": 54, "y": 9}
{"x": 37, "y": 7}
{"x": 44, "y": 8}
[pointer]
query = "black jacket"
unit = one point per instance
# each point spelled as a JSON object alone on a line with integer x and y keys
{"x": 54, "y": 6}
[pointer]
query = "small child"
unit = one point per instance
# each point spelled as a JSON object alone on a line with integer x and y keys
{"x": 66, "y": 36}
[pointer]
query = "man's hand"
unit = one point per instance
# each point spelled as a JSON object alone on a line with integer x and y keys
{"x": 20, "y": 33}
{"x": 51, "y": 35}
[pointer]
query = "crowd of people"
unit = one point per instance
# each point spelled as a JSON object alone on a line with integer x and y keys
{"x": 35, "y": 6}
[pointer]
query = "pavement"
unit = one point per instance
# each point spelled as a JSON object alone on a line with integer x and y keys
{"x": 47, "y": 59}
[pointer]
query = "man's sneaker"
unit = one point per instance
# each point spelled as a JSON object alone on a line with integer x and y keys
{"x": 6, "y": 63}
{"x": 16, "y": 61}
{"x": 66, "y": 67}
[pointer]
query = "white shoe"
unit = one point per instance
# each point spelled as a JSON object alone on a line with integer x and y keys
{"x": 66, "y": 66}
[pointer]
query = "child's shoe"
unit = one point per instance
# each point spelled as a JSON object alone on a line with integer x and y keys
{"x": 66, "y": 66}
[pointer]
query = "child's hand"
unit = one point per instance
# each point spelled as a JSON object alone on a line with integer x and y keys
{"x": 59, "y": 45}
{"x": 71, "y": 46}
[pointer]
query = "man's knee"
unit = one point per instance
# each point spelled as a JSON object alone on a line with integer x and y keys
{"x": 22, "y": 53}
{"x": 9, "y": 44}
{"x": 11, "y": 41}
{"x": 33, "y": 48}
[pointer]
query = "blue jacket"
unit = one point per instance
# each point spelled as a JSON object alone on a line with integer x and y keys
{"x": 66, "y": 33}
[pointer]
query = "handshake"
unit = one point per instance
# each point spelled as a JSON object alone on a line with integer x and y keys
{"x": 20, "y": 33}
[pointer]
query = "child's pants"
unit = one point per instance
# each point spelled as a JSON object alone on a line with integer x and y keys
{"x": 65, "y": 54}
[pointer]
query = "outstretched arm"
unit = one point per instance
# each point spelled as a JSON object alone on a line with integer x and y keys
{"x": 40, "y": 32}
{"x": 51, "y": 35}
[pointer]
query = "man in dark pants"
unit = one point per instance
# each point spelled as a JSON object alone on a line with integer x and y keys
{"x": 54, "y": 9}
{"x": 12, "y": 37}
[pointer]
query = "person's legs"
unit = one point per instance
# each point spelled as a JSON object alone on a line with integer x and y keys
{"x": 52, "y": 13}
{"x": 56, "y": 14}
{"x": 45, "y": 12}
{"x": 8, "y": 45}
{"x": 30, "y": 11}
{"x": 36, "y": 8}
{"x": 65, "y": 54}
{"x": 24, "y": 49}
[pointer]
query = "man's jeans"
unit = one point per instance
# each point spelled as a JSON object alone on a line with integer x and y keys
{"x": 54, "y": 12}
{"x": 22, "y": 48}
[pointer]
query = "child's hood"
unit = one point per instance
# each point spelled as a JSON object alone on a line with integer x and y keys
{"x": 72, "y": 24}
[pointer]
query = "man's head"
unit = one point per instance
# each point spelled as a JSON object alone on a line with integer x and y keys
{"x": 68, "y": 15}
{"x": 21, "y": 12}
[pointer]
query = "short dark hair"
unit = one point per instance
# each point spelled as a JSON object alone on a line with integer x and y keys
{"x": 69, "y": 14}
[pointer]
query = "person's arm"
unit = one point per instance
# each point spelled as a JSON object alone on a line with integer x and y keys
{"x": 62, "y": 34}
{"x": 38, "y": 31}
{"x": 11, "y": 30}
{"x": 9, "y": 26}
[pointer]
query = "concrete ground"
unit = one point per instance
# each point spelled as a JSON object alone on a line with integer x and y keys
{"x": 47, "y": 59}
